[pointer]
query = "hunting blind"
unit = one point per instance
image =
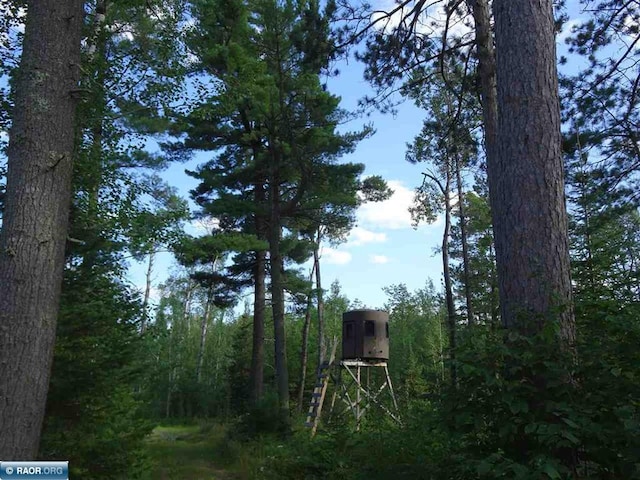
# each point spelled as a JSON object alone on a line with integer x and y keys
{"x": 365, "y": 351}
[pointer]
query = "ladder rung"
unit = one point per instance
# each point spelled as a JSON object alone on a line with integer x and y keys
{"x": 314, "y": 404}
{"x": 319, "y": 385}
{"x": 316, "y": 395}
{"x": 308, "y": 424}
{"x": 311, "y": 415}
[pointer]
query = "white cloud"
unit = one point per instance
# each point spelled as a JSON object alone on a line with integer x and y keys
{"x": 379, "y": 259}
{"x": 203, "y": 226}
{"x": 359, "y": 236}
{"x": 155, "y": 294}
{"x": 335, "y": 257}
{"x": 392, "y": 213}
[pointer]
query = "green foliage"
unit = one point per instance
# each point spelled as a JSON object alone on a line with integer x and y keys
{"x": 523, "y": 409}
{"x": 262, "y": 418}
{"x": 418, "y": 340}
{"x": 93, "y": 417}
{"x": 482, "y": 279}
{"x": 172, "y": 388}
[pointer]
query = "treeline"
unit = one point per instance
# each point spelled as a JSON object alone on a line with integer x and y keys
{"x": 524, "y": 366}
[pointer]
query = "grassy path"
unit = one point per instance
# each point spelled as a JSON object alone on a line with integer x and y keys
{"x": 186, "y": 453}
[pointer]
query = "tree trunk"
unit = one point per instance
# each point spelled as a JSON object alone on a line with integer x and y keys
{"x": 147, "y": 292}
{"x": 322, "y": 347}
{"x": 171, "y": 380}
{"x": 487, "y": 71}
{"x": 34, "y": 230}
{"x": 257, "y": 352}
{"x": 527, "y": 177}
{"x": 277, "y": 295}
{"x": 304, "y": 348}
{"x": 203, "y": 333}
{"x": 448, "y": 289}
{"x": 465, "y": 246}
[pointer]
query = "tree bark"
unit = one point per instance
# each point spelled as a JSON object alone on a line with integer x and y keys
{"x": 34, "y": 230}
{"x": 526, "y": 175}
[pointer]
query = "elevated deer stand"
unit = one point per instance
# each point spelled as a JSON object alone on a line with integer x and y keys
{"x": 361, "y": 378}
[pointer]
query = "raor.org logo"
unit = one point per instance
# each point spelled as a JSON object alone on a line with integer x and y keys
{"x": 34, "y": 470}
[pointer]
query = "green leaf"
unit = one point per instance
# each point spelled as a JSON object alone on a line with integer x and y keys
{"x": 484, "y": 467}
{"x": 550, "y": 470}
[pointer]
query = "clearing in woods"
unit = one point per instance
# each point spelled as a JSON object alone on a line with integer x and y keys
{"x": 187, "y": 453}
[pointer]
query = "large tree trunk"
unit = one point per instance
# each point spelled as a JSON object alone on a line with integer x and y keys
{"x": 526, "y": 175}
{"x": 465, "y": 245}
{"x": 34, "y": 230}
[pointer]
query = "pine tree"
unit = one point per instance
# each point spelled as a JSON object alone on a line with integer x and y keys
{"x": 276, "y": 127}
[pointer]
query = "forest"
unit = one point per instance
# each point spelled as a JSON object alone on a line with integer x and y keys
{"x": 520, "y": 361}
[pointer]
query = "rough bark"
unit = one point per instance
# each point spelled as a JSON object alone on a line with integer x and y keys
{"x": 465, "y": 245}
{"x": 34, "y": 230}
{"x": 526, "y": 175}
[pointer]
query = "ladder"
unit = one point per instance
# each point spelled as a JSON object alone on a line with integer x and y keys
{"x": 320, "y": 390}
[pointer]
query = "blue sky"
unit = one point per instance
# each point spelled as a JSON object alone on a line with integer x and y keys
{"x": 384, "y": 248}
